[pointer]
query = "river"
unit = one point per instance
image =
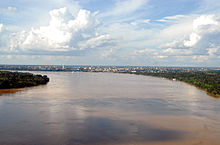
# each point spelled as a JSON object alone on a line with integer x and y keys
{"x": 108, "y": 109}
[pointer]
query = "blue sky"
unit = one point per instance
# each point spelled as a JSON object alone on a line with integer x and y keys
{"x": 110, "y": 32}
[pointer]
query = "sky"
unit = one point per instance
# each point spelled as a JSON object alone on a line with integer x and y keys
{"x": 110, "y": 32}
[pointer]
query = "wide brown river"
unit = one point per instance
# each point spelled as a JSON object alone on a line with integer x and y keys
{"x": 108, "y": 109}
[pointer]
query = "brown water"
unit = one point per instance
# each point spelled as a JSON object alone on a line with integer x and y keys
{"x": 107, "y": 108}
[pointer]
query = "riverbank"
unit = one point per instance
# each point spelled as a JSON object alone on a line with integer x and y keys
{"x": 209, "y": 82}
{"x": 9, "y": 80}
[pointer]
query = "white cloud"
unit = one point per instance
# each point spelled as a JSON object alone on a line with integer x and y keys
{"x": 195, "y": 43}
{"x": 150, "y": 53}
{"x": 176, "y": 52}
{"x": 172, "y": 18}
{"x": 63, "y": 34}
{"x": 145, "y": 51}
{"x": 143, "y": 21}
{"x": 213, "y": 51}
{"x": 1, "y": 26}
{"x": 9, "y": 9}
{"x": 198, "y": 29}
{"x": 203, "y": 21}
{"x": 193, "y": 39}
{"x": 107, "y": 53}
{"x": 203, "y": 40}
{"x": 96, "y": 42}
{"x": 178, "y": 30}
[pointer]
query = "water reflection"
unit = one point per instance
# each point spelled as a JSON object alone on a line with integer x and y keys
{"x": 102, "y": 108}
{"x": 8, "y": 91}
{"x": 107, "y": 131}
{"x": 73, "y": 124}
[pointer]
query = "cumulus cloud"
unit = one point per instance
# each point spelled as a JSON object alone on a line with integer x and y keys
{"x": 203, "y": 40}
{"x": 64, "y": 33}
{"x": 196, "y": 43}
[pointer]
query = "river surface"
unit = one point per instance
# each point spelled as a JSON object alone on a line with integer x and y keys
{"x": 108, "y": 109}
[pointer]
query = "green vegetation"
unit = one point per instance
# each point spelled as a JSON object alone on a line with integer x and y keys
{"x": 209, "y": 81}
{"x": 20, "y": 80}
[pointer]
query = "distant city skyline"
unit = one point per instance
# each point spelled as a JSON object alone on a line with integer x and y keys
{"x": 111, "y": 32}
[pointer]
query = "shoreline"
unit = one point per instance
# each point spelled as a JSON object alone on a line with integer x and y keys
{"x": 203, "y": 89}
{"x": 208, "y": 93}
{"x": 17, "y": 80}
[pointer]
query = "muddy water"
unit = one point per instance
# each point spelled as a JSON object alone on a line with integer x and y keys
{"x": 107, "y": 108}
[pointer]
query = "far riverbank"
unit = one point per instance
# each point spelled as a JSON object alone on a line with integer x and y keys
{"x": 209, "y": 82}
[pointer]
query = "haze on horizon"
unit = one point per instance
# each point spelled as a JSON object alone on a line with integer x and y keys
{"x": 111, "y": 32}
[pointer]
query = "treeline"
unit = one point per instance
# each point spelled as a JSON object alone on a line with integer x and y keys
{"x": 20, "y": 80}
{"x": 210, "y": 81}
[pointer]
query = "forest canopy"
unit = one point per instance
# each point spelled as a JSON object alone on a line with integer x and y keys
{"x": 20, "y": 80}
{"x": 209, "y": 81}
